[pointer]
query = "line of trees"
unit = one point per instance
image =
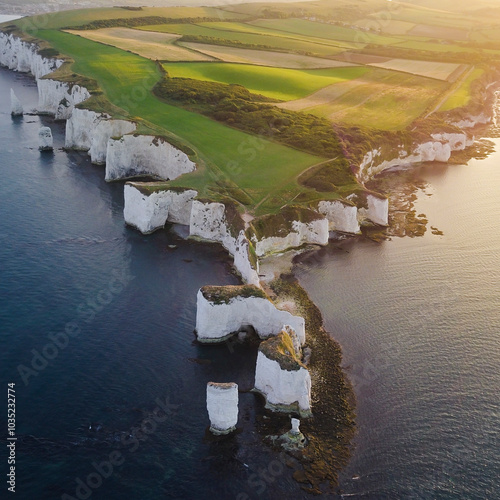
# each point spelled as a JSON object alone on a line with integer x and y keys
{"x": 237, "y": 107}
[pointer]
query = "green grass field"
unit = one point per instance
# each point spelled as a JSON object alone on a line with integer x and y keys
{"x": 431, "y": 46}
{"x": 383, "y": 100}
{"x": 278, "y": 83}
{"x": 326, "y": 31}
{"x": 263, "y": 57}
{"x": 259, "y": 28}
{"x": 461, "y": 96}
{"x": 400, "y": 37}
{"x": 274, "y": 42}
{"x": 80, "y": 17}
{"x": 258, "y": 166}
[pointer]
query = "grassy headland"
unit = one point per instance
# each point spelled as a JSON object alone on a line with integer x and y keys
{"x": 262, "y": 153}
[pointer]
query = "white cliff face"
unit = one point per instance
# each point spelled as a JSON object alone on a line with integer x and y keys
{"x": 457, "y": 142}
{"x": 208, "y": 222}
{"x": 377, "y": 211}
{"x": 59, "y": 98}
{"x": 439, "y": 149}
{"x": 282, "y": 387}
{"x": 45, "y": 141}
{"x": 15, "y": 105}
{"x": 23, "y": 57}
{"x": 80, "y": 127}
{"x": 472, "y": 121}
{"x": 180, "y": 206}
{"x": 90, "y": 131}
{"x": 104, "y": 130}
{"x": 215, "y": 322}
{"x": 222, "y": 406}
{"x": 135, "y": 156}
{"x": 239, "y": 248}
{"x": 149, "y": 212}
{"x": 314, "y": 232}
{"x": 373, "y": 165}
{"x": 341, "y": 216}
{"x": 433, "y": 151}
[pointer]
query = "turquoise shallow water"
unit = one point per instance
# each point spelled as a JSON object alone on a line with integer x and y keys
{"x": 419, "y": 323}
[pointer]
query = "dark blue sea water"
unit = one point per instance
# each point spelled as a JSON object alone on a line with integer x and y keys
{"x": 112, "y": 313}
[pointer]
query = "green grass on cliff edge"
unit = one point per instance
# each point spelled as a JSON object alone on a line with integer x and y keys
{"x": 257, "y": 165}
{"x": 255, "y": 171}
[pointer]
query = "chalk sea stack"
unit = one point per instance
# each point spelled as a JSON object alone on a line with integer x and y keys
{"x": 281, "y": 377}
{"x": 222, "y": 406}
{"x": 15, "y": 104}
{"x": 45, "y": 140}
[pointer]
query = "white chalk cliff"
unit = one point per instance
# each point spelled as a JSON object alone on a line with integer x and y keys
{"x": 15, "y": 105}
{"x": 217, "y": 319}
{"x": 208, "y": 222}
{"x": 90, "y": 131}
{"x": 377, "y": 210}
{"x": 474, "y": 120}
{"x": 148, "y": 212}
{"x": 301, "y": 233}
{"x": 281, "y": 377}
{"x": 341, "y": 216}
{"x": 79, "y": 129}
{"x": 222, "y": 407}
{"x": 45, "y": 140}
{"x": 438, "y": 149}
{"x": 59, "y": 98}
{"x": 139, "y": 155}
{"x": 103, "y": 131}
{"x": 23, "y": 57}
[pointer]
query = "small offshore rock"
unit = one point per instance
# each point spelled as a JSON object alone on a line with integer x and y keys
{"x": 295, "y": 426}
{"x": 293, "y": 440}
{"x": 45, "y": 141}
{"x": 16, "y": 106}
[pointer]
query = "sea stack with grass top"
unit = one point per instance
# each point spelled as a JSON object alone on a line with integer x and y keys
{"x": 281, "y": 376}
{"x": 222, "y": 406}
{"x": 225, "y": 310}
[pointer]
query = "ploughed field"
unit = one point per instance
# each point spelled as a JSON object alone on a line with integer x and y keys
{"x": 369, "y": 65}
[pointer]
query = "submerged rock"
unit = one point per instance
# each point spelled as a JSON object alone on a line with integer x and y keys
{"x": 45, "y": 141}
{"x": 16, "y": 106}
{"x": 222, "y": 406}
